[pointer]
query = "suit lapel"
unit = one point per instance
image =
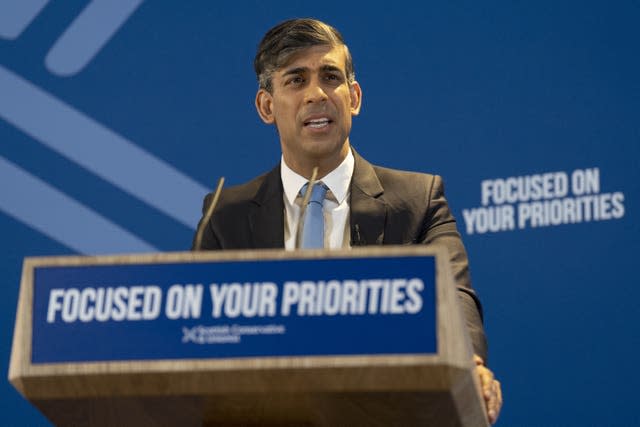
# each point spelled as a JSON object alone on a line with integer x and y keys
{"x": 266, "y": 216}
{"x": 368, "y": 210}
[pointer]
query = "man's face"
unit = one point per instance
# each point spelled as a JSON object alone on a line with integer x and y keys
{"x": 312, "y": 104}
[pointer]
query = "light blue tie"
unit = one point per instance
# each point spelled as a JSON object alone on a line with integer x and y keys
{"x": 313, "y": 227}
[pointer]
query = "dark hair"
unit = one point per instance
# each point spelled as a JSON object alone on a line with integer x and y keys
{"x": 284, "y": 40}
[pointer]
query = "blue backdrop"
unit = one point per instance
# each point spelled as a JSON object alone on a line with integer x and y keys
{"x": 115, "y": 118}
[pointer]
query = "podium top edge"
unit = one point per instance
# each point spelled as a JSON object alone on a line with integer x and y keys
{"x": 235, "y": 255}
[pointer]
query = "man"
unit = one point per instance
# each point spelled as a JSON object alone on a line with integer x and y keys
{"x": 307, "y": 89}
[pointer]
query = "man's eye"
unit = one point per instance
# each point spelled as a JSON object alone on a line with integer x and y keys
{"x": 295, "y": 80}
{"x": 332, "y": 77}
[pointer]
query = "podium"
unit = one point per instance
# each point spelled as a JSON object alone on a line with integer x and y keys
{"x": 366, "y": 337}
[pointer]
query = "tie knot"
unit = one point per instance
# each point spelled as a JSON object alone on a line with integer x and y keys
{"x": 318, "y": 192}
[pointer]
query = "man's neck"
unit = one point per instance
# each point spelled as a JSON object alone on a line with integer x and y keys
{"x": 304, "y": 167}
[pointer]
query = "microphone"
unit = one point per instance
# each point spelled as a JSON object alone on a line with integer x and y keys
{"x": 207, "y": 217}
{"x": 303, "y": 208}
{"x": 356, "y": 240}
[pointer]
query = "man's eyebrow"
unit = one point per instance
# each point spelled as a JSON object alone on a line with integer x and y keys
{"x": 296, "y": 70}
{"x": 331, "y": 68}
{"x": 301, "y": 70}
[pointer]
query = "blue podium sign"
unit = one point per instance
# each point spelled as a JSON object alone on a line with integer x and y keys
{"x": 237, "y": 308}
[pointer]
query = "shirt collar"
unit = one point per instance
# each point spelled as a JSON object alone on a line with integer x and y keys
{"x": 337, "y": 180}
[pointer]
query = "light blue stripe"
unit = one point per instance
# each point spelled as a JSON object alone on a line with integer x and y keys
{"x": 87, "y": 34}
{"x": 16, "y": 15}
{"x": 100, "y": 150}
{"x": 56, "y": 215}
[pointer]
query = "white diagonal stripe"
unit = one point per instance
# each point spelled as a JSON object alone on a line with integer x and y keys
{"x": 87, "y": 34}
{"x": 56, "y": 215}
{"x": 98, "y": 149}
{"x": 15, "y": 16}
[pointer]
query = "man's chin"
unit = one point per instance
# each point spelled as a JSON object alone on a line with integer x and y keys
{"x": 319, "y": 149}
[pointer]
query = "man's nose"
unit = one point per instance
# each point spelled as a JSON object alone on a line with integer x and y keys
{"x": 314, "y": 92}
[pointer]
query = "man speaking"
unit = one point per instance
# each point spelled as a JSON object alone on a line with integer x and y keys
{"x": 307, "y": 89}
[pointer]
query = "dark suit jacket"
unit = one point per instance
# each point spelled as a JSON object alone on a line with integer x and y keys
{"x": 387, "y": 207}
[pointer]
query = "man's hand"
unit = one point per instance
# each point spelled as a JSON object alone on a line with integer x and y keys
{"x": 491, "y": 390}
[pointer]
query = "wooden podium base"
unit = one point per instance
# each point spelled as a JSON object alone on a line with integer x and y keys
{"x": 284, "y": 410}
{"x": 407, "y": 394}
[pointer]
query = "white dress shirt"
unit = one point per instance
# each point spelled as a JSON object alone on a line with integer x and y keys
{"x": 337, "y": 233}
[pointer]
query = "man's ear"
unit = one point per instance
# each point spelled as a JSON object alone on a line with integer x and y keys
{"x": 264, "y": 105}
{"x": 355, "y": 93}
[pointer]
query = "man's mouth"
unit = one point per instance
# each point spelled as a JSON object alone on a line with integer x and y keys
{"x": 318, "y": 123}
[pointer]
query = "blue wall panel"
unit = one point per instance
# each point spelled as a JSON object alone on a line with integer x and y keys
{"x": 124, "y": 134}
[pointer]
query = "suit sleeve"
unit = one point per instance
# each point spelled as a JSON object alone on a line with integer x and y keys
{"x": 440, "y": 228}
